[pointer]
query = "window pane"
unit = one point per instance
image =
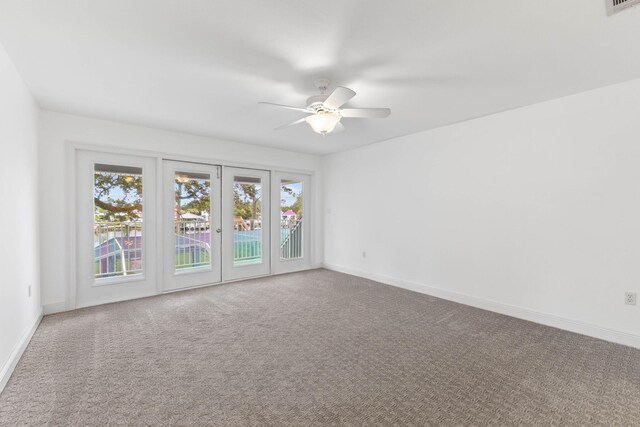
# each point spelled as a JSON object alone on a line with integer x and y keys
{"x": 117, "y": 240}
{"x": 291, "y": 220}
{"x": 192, "y": 226}
{"x": 247, "y": 220}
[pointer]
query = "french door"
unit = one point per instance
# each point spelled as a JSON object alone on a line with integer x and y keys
{"x": 146, "y": 225}
{"x": 192, "y": 225}
{"x": 246, "y": 223}
{"x": 291, "y": 241}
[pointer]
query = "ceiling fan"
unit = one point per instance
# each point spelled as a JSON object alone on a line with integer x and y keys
{"x": 325, "y": 112}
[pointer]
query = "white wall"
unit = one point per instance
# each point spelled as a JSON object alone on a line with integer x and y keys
{"x": 533, "y": 212}
{"x": 58, "y": 131}
{"x": 19, "y": 249}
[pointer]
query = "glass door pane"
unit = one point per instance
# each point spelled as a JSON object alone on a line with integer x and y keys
{"x": 191, "y": 224}
{"x": 118, "y": 219}
{"x": 291, "y": 210}
{"x": 246, "y": 220}
{"x": 291, "y": 243}
{"x": 191, "y": 220}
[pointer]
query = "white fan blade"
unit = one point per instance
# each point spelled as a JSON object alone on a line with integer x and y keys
{"x": 290, "y": 124}
{"x": 338, "y": 129}
{"x": 304, "y": 110}
{"x": 338, "y": 98}
{"x": 365, "y": 113}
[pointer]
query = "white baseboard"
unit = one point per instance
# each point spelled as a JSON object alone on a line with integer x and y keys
{"x": 577, "y": 326}
{"x": 54, "y": 307}
{"x": 16, "y": 354}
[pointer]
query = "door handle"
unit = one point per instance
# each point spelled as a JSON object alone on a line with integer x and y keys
{"x": 218, "y": 230}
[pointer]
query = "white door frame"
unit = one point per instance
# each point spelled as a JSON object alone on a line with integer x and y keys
{"x": 283, "y": 265}
{"x": 229, "y": 270}
{"x": 73, "y": 147}
{"x": 174, "y": 280}
{"x": 91, "y": 291}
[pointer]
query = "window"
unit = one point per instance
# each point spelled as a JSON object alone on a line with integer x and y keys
{"x": 192, "y": 220}
{"x": 117, "y": 225}
{"x": 247, "y": 220}
{"x": 291, "y": 205}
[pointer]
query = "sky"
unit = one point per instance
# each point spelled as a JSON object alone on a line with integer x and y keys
{"x": 288, "y": 198}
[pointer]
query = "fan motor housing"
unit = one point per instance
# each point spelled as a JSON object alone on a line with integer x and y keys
{"x": 315, "y": 102}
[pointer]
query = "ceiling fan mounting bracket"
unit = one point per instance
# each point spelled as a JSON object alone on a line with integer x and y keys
{"x": 322, "y": 84}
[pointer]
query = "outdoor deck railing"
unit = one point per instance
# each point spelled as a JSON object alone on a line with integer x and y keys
{"x": 192, "y": 244}
{"x": 291, "y": 239}
{"x": 118, "y": 246}
{"x": 247, "y": 246}
{"x": 117, "y": 249}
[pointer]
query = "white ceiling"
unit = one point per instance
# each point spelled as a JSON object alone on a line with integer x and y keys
{"x": 202, "y": 66}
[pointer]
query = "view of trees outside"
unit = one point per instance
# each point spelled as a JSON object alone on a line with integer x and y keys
{"x": 193, "y": 194}
{"x": 247, "y": 203}
{"x": 247, "y": 200}
{"x": 291, "y": 202}
{"x": 118, "y": 201}
{"x": 291, "y": 197}
{"x": 117, "y": 194}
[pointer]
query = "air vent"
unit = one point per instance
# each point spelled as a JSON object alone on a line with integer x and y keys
{"x": 615, "y": 6}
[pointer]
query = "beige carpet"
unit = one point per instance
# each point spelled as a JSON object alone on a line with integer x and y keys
{"x": 314, "y": 349}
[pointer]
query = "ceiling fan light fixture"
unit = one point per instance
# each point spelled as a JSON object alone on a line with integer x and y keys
{"x": 323, "y": 122}
{"x": 325, "y": 112}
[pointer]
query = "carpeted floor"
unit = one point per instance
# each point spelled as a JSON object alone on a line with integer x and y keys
{"x": 317, "y": 348}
